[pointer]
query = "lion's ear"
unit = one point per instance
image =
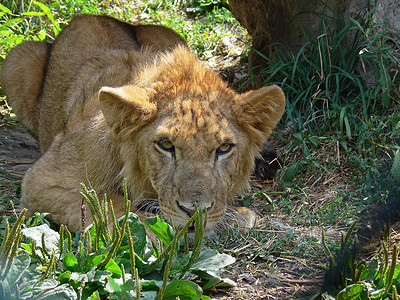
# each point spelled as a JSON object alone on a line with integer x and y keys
{"x": 258, "y": 111}
{"x": 126, "y": 106}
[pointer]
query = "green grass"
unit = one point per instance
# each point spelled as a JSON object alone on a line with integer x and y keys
{"x": 201, "y": 24}
{"x": 341, "y": 122}
{"x": 333, "y": 109}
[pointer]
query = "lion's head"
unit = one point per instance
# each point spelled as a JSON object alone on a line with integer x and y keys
{"x": 186, "y": 137}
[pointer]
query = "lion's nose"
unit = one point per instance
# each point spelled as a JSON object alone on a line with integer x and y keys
{"x": 190, "y": 210}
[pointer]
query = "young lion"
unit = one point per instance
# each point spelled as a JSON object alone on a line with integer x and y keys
{"x": 108, "y": 100}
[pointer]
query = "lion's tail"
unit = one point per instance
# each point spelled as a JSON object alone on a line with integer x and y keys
{"x": 21, "y": 79}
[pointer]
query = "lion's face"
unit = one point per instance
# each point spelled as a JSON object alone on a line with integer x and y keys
{"x": 192, "y": 156}
{"x": 194, "y": 146}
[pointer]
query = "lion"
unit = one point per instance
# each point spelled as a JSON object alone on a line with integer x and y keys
{"x": 110, "y": 101}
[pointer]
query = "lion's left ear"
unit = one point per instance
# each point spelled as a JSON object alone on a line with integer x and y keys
{"x": 126, "y": 106}
{"x": 258, "y": 111}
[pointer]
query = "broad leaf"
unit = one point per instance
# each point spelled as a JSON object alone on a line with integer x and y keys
{"x": 396, "y": 167}
{"x": 138, "y": 232}
{"x": 161, "y": 229}
{"x": 211, "y": 260}
{"x": 184, "y": 289}
{"x": 70, "y": 262}
{"x": 353, "y": 292}
{"x": 51, "y": 237}
{"x": 19, "y": 265}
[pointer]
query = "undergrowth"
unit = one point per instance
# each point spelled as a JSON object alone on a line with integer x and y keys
{"x": 342, "y": 112}
{"x": 347, "y": 278}
{"x": 200, "y": 23}
{"x": 38, "y": 262}
{"x": 340, "y": 128}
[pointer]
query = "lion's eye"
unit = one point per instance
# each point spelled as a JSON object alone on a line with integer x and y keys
{"x": 224, "y": 148}
{"x": 166, "y": 145}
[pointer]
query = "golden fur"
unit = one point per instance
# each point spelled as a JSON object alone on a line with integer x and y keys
{"x": 110, "y": 101}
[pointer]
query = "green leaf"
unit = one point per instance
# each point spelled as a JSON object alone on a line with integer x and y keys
{"x": 290, "y": 174}
{"x": 98, "y": 258}
{"x": 353, "y": 292}
{"x": 396, "y": 167}
{"x": 94, "y": 296}
{"x": 70, "y": 262}
{"x": 51, "y": 290}
{"x": 9, "y": 23}
{"x": 212, "y": 278}
{"x": 43, "y": 7}
{"x": 211, "y": 260}
{"x": 161, "y": 229}
{"x": 19, "y": 265}
{"x": 100, "y": 276}
{"x": 247, "y": 201}
{"x": 51, "y": 237}
{"x": 5, "y": 9}
{"x": 368, "y": 274}
{"x": 64, "y": 277}
{"x": 33, "y": 13}
{"x": 149, "y": 295}
{"x": 5, "y": 291}
{"x": 151, "y": 285}
{"x": 184, "y": 289}
{"x": 112, "y": 286}
{"x": 112, "y": 267}
{"x": 138, "y": 232}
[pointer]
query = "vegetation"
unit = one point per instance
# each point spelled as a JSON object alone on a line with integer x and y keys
{"x": 342, "y": 93}
{"x": 338, "y": 142}
{"x": 97, "y": 264}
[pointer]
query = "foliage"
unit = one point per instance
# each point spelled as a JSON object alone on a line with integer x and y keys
{"x": 323, "y": 83}
{"x": 201, "y": 23}
{"x": 97, "y": 263}
{"x": 333, "y": 101}
{"x": 377, "y": 279}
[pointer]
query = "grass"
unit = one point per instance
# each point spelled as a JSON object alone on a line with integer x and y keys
{"x": 336, "y": 140}
{"x": 333, "y": 108}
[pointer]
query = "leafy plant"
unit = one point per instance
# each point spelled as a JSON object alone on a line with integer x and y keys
{"x": 98, "y": 262}
{"x": 378, "y": 279}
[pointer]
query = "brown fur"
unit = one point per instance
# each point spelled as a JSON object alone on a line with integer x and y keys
{"x": 112, "y": 94}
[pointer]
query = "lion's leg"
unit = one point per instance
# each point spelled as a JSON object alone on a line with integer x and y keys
{"x": 63, "y": 201}
{"x": 52, "y": 185}
{"x": 242, "y": 217}
{"x": 21, "y": 78}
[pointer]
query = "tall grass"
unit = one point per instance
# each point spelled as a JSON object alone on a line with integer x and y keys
{"x": 326, "y": 82}
{"x": 342, "y": 86}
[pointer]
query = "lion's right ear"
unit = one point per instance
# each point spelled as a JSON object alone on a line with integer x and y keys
{"x": 126, "y": 106}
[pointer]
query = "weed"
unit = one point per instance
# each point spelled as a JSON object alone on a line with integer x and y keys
{"x": 348, "y": 279}
{"x": 117, "y": 264}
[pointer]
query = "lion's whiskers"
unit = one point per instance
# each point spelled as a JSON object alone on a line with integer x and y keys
{"x": 150, "y": 207}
